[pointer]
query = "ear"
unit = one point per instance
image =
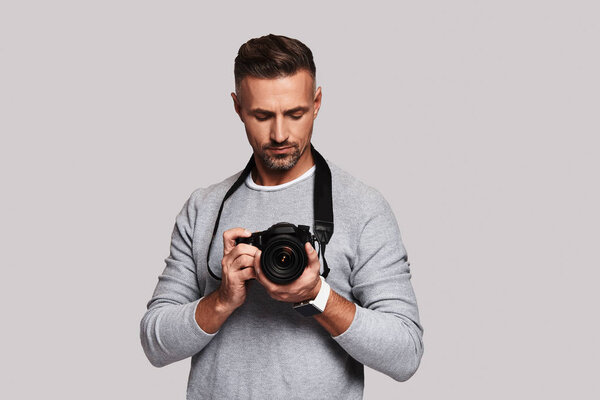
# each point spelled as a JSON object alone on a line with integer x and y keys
{"x": 317, "y": 102}
{"x": 237, "y": 106}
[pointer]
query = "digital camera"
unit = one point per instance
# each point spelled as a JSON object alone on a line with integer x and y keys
{"x": 283, "y": 256}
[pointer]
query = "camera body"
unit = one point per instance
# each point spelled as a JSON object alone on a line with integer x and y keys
{"x": 283, "y": 256}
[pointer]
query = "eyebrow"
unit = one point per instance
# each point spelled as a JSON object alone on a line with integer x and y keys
{"x": 286, "y": 112}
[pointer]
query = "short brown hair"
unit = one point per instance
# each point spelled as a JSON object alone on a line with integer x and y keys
{"x": 272, "y": 56}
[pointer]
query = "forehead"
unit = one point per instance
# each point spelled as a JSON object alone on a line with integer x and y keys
{"x": 288, "y": 91}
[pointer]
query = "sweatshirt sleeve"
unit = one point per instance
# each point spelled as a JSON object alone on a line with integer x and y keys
{"x": 385, "y": 334}
{"x": 168, "y": 330}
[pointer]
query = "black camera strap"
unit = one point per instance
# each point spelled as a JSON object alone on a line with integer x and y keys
{"x": 322, "y": 203}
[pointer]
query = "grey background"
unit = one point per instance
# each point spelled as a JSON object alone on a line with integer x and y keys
{"x": 477, "y": 120}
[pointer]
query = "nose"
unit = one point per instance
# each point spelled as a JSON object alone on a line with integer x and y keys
{"x": 278, "y": 130}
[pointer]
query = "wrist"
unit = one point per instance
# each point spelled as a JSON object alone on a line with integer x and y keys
{"x": 222, "y": 306}
{"x": 315, "y": 291}
{"x": 317, "y": 305}
{"x": 211, "y": 313}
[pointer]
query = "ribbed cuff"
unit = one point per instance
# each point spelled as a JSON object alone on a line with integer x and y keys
{"x": 349, "y": 333}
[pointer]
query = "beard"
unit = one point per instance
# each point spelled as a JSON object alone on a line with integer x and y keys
{"x": 281, "y": 162}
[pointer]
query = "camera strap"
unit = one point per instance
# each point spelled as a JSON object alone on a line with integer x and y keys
{"x": 322, "y": 203}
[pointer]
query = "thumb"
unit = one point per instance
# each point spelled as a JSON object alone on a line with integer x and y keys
{"x": 313, "y": 257}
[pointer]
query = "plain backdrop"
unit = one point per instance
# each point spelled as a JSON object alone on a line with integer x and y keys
{"x": 477, "y": 120}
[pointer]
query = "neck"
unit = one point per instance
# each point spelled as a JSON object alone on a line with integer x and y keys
{"x": 264, "y": 176}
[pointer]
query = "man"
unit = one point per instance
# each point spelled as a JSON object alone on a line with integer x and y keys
{"x": 245, "y": 338}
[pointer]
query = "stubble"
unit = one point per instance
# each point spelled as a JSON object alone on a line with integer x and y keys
{"x": 281, "y": 162}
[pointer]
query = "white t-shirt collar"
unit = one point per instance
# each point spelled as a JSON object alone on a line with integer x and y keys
{"x": 250, "y": 183}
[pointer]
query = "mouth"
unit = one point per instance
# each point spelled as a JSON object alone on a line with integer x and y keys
{"x": 280, "y": 150}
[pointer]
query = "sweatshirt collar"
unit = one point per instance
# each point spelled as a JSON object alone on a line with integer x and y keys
{"x": 250, "y": 183}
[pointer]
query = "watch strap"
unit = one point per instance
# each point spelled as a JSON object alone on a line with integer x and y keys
{"x": 316, "y": 306}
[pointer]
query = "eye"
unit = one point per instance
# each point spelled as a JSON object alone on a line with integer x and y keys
{"x": 261, "y": 117}
{"x": 296, "y": 116}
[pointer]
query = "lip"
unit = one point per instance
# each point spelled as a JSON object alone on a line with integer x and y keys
{"x": 279, "y": 149}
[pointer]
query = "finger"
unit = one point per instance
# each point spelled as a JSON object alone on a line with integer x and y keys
{"x": 242, "y": 261}
{"x": 259, "y": 273}
{"x": 230, "y": 235}
{"x": 246, "y": 274}
{"x": 238, "y": 251}
{"x": 313, "y": 257}
{"x": 241, "y": 249}
{"x": 256, "y": 264}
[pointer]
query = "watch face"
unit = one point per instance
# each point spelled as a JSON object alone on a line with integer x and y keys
{"x": 307, "y": 309}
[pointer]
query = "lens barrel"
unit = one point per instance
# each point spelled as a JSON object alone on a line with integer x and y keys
{"x": 283, "y": 259}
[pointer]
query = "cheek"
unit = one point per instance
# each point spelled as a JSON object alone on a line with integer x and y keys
{"x": 303, "y": 129}
{"x": 256, "y": 132}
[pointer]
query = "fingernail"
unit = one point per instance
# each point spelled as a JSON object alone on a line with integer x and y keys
{"x": 247, "y": 232}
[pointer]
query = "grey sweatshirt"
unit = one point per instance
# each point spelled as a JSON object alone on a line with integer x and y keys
{"x": 266, "y": 350}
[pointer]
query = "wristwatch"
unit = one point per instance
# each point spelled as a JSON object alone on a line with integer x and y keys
{"x": 317, "y": 306}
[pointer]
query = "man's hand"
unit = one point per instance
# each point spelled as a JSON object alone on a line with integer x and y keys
{"x": 238, "y": 268}
{"x": 213, "y": 310}
{"x": 306, "y": 287}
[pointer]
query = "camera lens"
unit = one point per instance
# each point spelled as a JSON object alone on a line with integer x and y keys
{"x": 283, "y": 259}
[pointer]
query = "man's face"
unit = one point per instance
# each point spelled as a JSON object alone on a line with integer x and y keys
{"x": 278, "y": 115}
